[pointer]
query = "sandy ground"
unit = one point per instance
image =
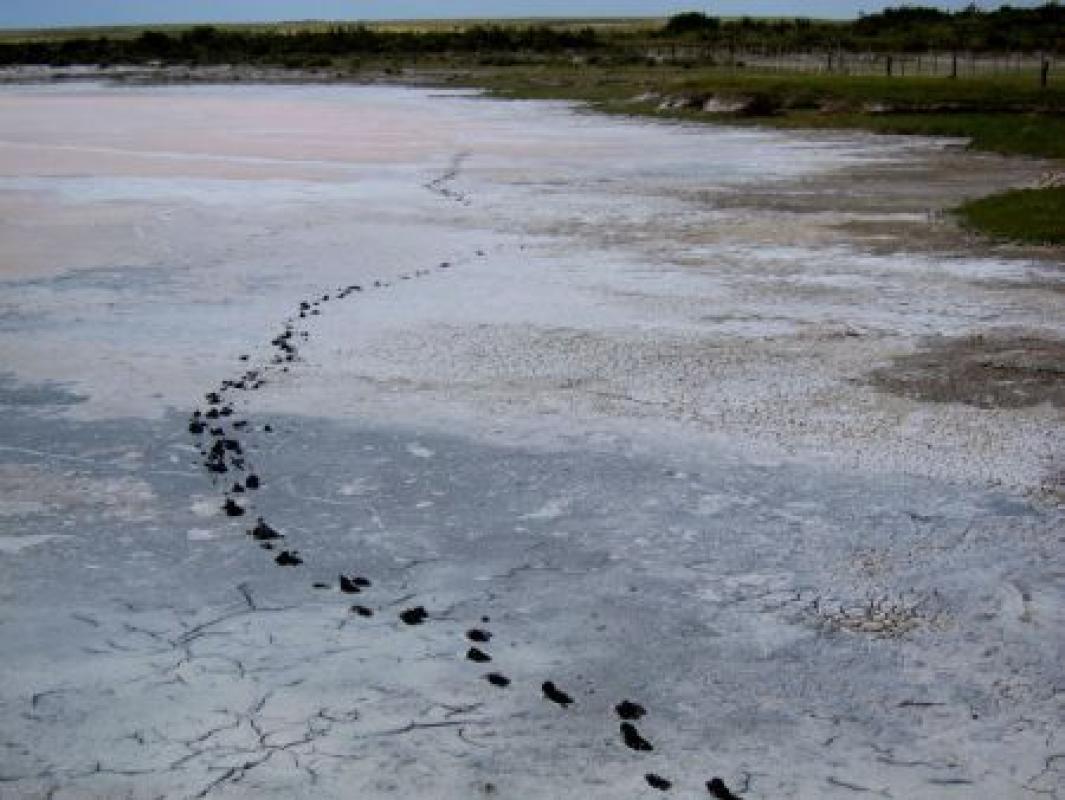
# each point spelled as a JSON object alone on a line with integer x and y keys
{"x": 731, "y": 423}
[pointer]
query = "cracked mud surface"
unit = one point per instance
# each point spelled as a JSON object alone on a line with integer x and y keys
{"x": 584, "y": 492}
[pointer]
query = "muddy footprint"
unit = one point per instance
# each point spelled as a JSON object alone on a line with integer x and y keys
{"x": 556, "y": 695}
{"x": 628, "y": 710}
{"x": 232, "y": 508}
{"x": 632, "y": 738}
{"x": 718, "y": 789}
{"x": 414, "y": 616}
{"x": 262, "y": 532}
{"x": 658, "y": 782}
{"x": 288, "y": 558}
{"x": 353, "y": 585}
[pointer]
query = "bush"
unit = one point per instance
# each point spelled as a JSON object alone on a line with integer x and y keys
{"x": 691, "y": 22}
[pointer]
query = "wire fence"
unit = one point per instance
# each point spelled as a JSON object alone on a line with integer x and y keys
{"x": 1043, "y": 67}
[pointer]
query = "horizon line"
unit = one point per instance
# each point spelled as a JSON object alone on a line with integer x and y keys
{"x": 402, "y": 20}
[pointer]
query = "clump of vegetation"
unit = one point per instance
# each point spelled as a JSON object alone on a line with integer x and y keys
{"x": 691, "y": 22}
{"x": 1027, "y": 215}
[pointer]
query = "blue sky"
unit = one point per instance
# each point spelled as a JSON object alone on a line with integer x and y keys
{"x": 38, "y": 13}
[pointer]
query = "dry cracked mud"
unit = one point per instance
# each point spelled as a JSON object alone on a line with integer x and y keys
{"x": 425, "y": 445}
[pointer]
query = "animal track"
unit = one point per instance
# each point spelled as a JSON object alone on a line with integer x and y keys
{"x": 353, "y": 585}
{"x": 629, "y": 711}
{"x": 478, "y": 655}
{"x": 718, "y": 789}
{"x": 414, "y": 616}
{"x": 658, "y": 782}
{"x": 263, "y": 532}
{"x": 556, "y": 695}
{"x": 224, "y": 453}
{"x": 632, "y": 738}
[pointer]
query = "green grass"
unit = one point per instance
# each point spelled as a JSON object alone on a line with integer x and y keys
{"x": 1036, "y": 216}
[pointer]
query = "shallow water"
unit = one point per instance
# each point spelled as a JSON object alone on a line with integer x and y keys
{"x": 631, "y": 421}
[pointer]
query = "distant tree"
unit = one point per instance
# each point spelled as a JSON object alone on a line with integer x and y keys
{"x": 690, "y": 22}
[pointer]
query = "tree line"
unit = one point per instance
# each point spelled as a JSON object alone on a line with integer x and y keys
{"x": 904, "y": 29}
{"x": 907, "y": 29}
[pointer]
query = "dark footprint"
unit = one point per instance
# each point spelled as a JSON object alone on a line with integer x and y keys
{"x": 263, "y": 532}
{"x": 288, "y": 559}
{"x": 362, "y": 611}
{"x": 237, "y": 488}
{"x": 629, "y": 710}
{"x": 658, "y": 782}
{"x": 414, "y": 616}
{"x": 476, "y": 635}
{"x": 718, "y": 789}
{"x": 556, "y": 695}
{"x": 268, "y": 429}
{"x": 633, "y": 739}
{"x": 494, "y": 678}
{"x": 478, "y": 655}
{"x": 196, "y": 426}
{"x": 232, "y": 509}
{"x": 353, "y": 585}
{"x": 213, "y": 398}
{"x": 252, "y": 481}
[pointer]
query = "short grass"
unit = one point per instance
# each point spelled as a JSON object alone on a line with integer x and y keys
{"x": 1027, "y": 215}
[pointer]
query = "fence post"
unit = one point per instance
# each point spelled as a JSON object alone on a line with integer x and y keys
{"x": 954, "y": 64}
{"x": 890, "y": 65}
{"x": 1044, "y": 72}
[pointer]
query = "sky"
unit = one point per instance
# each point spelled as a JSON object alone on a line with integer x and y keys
{"x": 52, "y": 13}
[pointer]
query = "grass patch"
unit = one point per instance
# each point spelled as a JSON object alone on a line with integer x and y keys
{"x": 1026, "y": 215}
